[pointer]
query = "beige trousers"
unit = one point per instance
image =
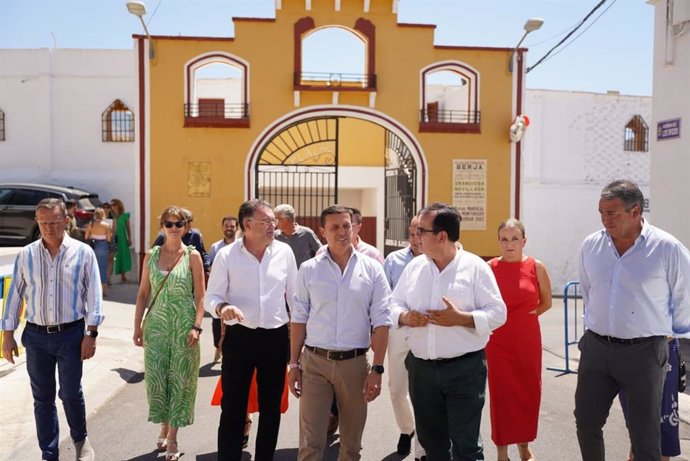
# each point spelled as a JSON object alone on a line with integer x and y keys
{"x": 320, "y": 378}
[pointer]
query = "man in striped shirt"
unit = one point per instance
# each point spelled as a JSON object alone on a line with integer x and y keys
{"x": 58, "y": 279}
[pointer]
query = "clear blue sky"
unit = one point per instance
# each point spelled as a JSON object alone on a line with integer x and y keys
{"x": 615, "y": 53}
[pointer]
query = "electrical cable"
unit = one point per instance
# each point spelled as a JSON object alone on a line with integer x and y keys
{"x": 567, "y": 36}
{"x": 154, "y": 12}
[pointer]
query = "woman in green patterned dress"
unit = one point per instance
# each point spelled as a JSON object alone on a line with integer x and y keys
{"x": 123, "y": 240}
{"x": 172, "y": 285}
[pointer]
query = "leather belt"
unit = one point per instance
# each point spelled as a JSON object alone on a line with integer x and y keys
{"x": 613, "y": 340}
{"x": 54, "y": 328}
{"x": 337, "y": 355}
{"x": 444, "y": 361}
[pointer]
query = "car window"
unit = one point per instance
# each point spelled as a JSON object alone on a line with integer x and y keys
{"x": 27, "y": 197}
{"x": 5, "y": 196}
{"x": 88, "y": 202}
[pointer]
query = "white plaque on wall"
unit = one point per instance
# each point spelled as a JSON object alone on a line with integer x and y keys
{"x": 469, "y": 192}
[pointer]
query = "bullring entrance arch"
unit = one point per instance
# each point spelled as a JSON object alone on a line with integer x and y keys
{"x": 295, "y": 160}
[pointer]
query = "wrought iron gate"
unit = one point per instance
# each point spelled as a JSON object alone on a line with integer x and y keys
{"x": 401, "y": 187}
{"x": 299, "y": 166}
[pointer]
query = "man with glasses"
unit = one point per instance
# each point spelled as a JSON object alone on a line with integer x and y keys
{"x": 634, "y": 280}
{"x": 58, "y": 279}
{"x": 251, "y": 280}
{"x": 450, "y": 300}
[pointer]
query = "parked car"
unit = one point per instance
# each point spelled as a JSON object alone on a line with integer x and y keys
{"x": 18, "y": 204}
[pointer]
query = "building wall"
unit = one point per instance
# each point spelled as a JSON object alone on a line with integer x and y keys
{"x": 572, "y": 148}
{"x": 53, "y": 100}
{"x": 267, "y": 45}
{"x": 671, "y": 100}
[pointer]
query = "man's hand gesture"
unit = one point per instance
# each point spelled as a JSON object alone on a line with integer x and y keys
{"x": 450, "y": 316}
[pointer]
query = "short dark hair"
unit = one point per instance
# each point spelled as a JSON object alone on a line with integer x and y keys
{"x": 447, "y": 219}
{"x": 334, "y": 209}
{"x": 70, "y": 203}
{"x": 248, "y": 208}
{"x": 52, "y": 203}
{"x": 626, "y": 190}
{"x": 228, "y": 218}
{"x": 356, "y": 215}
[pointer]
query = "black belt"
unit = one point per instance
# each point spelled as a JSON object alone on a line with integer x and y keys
{"x": 611, "y": 339}
{"x": 54, "y": 328}
{"x": 444, "y": 361}
{"x": 337, "y": 355}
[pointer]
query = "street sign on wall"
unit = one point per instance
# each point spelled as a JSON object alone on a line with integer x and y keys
{"x": 668, "y": 129}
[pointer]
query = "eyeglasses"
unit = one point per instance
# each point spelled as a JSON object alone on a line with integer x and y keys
{"x": 266, "y": 222}
{"x": 178, "y": 224}
{"x": 421, "y": 231}
{"x": 49, "y": 223}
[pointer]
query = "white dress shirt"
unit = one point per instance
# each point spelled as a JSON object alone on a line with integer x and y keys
{"x": 469, "y": 283}
{"x": 258, "y": 289}
{"x": 341, "y": 308}
{"x": 56, "y": 291}
{"x": 645, "y": 292}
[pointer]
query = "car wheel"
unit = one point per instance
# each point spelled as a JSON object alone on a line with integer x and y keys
{"x": 35, "y": 235}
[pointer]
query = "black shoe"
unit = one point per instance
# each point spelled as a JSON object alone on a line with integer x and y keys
{"x": 405, "y": 444}
{"x": 423, "y": 458}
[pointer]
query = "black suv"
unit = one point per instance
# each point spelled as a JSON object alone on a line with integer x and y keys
{"x": 18, "y": 205}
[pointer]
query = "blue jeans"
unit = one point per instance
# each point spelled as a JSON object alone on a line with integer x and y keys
{"x": 101, "y": 248}
{"x": 43, "y": 352}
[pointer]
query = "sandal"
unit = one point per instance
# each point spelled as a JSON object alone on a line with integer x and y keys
{"x": 172, "y": 455}
{"x": 247, "y": 428}
{"x": 162, "y": 442}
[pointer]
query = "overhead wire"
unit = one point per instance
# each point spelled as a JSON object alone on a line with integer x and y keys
{"x": 564, "y": 39}
{"x": 154, "y": 13}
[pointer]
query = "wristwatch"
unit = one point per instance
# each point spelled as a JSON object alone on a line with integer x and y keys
{"x": 378, "y": 369}
{"x": 92, "y": 333}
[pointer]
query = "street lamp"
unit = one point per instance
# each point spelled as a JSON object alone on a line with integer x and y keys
{"x": 139, "y": 9}
{"x": 531, "y": 25}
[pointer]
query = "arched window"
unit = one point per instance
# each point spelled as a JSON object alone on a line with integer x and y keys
{"x": 636, "y": 135}
{"x": 117, "y": 123}
{"x": 450, "y": 98}
{"x": 217, "y": 91}
{"x": 334, "y": 56}
{"x": 2, "y": 125}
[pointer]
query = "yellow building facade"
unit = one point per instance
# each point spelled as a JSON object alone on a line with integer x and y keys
{"x": 419, "y": 123}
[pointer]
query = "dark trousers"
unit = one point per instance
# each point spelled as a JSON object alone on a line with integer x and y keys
{"x": 246, "y": 349}
{"x": 215, "y": 327}
{"x": 447, "y": 398}
{"x": 45, "y": 351}
{"x": 605, "y": 369}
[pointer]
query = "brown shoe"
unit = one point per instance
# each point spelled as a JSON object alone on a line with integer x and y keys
{"x": 332, "y": 424}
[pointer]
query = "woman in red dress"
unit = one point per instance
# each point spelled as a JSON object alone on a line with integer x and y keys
{"x": 513, "y": 354}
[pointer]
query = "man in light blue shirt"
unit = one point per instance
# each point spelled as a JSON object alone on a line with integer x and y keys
{"x": 634, "y": 280}
{"x": 340, "y": 309}
{"x": 57, "y": 277}
{"x": 398, "y": 387}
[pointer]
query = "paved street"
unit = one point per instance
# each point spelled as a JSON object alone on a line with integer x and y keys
{"x": 117, "y": 408}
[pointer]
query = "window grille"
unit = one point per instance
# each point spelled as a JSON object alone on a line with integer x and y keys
{"x": 118, "y": 123}
{"x": 636, "y": 137}
{"x": 2, "y": 125}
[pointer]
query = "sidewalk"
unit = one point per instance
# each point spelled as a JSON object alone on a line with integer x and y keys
{"x": 116, "y": 362}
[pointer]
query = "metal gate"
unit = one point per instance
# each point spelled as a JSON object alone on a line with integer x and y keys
{"x": 299, "y": 166}
{"x": 401, "y": 187}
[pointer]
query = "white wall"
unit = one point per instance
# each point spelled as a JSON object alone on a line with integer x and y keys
{"x": 53, "y": 100}
{"x": 572, "y": 148}
{"x": 670, "y": 173}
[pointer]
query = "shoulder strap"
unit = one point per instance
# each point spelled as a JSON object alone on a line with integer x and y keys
{"x": 165, "y": 280}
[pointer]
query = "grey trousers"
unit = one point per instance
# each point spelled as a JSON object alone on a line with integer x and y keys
{"x": 605, "y": 368}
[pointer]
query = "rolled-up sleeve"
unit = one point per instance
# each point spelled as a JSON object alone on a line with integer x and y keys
{"x": 15, "y": 296}
{"x": 94, "y": 291}
{"x": 679, "y": 285}
{"x": 379, "y": 310}
{"x": 491, "y": 311}
{"x": 291, "y": 282}
{"x": 300, "y": 301}
{"x": 217, "y": 284}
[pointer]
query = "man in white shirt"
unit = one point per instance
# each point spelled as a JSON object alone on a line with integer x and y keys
{"x": 398, "y": 349}
{"x": 340, "y": 309}
{"x": 450, "y": 300}
{"x": 248, "y": 287}
{"x": 229, "y": 224}
{"x": 634, "y": 280}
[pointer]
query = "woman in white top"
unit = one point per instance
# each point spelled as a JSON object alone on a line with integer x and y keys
{"x": 99, "y": 234}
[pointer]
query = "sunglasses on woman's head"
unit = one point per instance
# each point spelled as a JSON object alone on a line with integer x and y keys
{"x": 178, "y": 224}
